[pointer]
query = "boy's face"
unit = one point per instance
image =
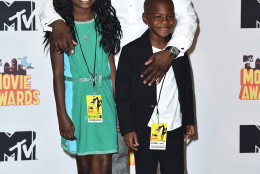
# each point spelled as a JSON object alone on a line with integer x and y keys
{"x": 160, "y": 18}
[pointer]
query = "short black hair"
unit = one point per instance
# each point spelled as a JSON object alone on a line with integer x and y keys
{"x": 147, "y": 4}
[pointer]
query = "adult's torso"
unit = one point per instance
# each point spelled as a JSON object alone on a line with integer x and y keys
{"x": 129, "y": 13}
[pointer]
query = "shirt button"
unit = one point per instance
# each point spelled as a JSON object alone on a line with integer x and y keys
{"x": 133, "y": 23}
{"x": 151, "y": 106}
{"x": 131, "y": 6}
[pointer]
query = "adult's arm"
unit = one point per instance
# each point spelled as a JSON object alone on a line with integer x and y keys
{"x": 160, "y": 62}
{"x": 60, "y": 32}
{"x": 48, "y": 15}
{"x": 185, "y": 29}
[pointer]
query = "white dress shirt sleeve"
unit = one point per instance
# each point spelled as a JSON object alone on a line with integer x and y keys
{"x": 48, "y": 15}
{"x": 186, "y": 26}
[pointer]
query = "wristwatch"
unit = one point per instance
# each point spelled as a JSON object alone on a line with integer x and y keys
{"x": 174, "y": 51}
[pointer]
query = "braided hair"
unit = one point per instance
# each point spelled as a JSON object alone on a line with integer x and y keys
{"x": 106, "y": 23}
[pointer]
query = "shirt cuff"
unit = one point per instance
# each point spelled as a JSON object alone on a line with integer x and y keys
{"x": 182, "y": 43}
{"x": 48, "y": 15}
{"x": 45, "y": 24}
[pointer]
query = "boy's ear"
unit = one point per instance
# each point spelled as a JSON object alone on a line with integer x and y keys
{"x": 145, "y": 18}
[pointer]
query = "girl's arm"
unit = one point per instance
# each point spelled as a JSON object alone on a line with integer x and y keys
{"x": 65, "y": 124}
{"x": 111, "y": 60}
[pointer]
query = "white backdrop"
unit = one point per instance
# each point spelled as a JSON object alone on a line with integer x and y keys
{"x": 216, "y": 60}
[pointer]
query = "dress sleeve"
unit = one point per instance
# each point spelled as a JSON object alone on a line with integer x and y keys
{"x": 48, "y": 15}
{"x": 186, "y": 26}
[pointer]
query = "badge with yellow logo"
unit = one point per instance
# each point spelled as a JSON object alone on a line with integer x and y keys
{"x": 94, "y": 105}
{"x": 158, "y": 136}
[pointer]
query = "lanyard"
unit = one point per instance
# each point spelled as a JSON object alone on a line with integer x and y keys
{"x": 93, "y": 75}
{"x": 157, "y": 110}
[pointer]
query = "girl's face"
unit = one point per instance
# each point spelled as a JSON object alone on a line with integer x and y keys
{"x": 84, "y": 4}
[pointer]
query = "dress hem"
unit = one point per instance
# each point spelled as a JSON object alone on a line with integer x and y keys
{"x": 88, "y": 153}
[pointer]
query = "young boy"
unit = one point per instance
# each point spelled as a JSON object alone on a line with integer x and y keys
{"x": 153, "y": 119}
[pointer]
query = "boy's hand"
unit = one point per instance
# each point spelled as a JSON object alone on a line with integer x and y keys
{"x": 159, "y": 63}
{"x": 67, "y": 128}
{"x": 62, "y": 37}
{"x": 190, "y": 132}
{"x": 131, "y": 140}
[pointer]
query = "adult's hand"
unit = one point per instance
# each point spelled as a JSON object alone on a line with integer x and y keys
{"x": 159, "y": 63}
{"x": 131, "y": 140}
{"x": 190, "y": 132}
{"x": 62, "y": 38}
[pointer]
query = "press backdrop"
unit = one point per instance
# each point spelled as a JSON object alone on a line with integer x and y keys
{"x": 227, "y": 95}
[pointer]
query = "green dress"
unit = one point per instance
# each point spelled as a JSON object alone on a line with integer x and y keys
{"x": 92, "y": 138}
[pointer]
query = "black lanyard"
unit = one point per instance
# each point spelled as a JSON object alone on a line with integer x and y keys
{"x": 93, "y": 75}
{"x": 157, "y": 110}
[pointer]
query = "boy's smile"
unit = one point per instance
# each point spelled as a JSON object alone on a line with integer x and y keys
{"x": 160, "y": 18}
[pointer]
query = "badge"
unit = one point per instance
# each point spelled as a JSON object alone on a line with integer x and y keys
{"x": 94, "y": 105}
{"x": 158, "y": 136}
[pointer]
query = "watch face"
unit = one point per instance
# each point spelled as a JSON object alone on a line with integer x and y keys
{"x": 175, "y": 51}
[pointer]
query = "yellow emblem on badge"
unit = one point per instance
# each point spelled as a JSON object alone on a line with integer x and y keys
{"x": 94, "y": 105}
{"x": 158, "y": 136}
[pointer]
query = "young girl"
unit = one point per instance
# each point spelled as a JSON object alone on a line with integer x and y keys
{"x": 84, "y": 83}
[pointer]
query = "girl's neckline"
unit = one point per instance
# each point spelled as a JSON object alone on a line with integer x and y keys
{"x": 85, "y": 22}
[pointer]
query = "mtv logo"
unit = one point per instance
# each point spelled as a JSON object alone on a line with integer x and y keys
{"x": 249, "y": 139}
{"x": 17, "y": 16}
{"x": 250, "y": 16}
{"x": 17, "y": 146}
{"x": 248, "y": 58}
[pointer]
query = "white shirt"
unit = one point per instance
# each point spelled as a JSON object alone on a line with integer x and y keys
{"x": 129, "y": 13}
{"x": 169, "y": 105}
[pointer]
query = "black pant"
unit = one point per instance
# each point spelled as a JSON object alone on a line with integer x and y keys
{"x": 171, "y": 160}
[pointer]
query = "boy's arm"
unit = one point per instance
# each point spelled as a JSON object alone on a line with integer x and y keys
{"x": 160, "y": 62}
{"x": 189, "y": 101}
{"x": 123, "y": 93}
{"x": 123, "y": 100}
{"x": 60, "y": 32}
{"x": 65, "y": 124}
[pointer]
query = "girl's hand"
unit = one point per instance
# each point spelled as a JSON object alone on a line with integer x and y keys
{"x": 117, "y": 127}
{"x": 67, "y": 128}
